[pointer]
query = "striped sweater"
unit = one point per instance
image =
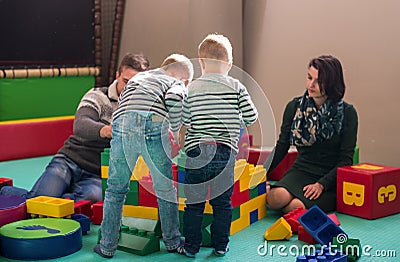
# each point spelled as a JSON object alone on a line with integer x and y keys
{"x": 215, "y": 109}
{"x": 153, "y": 91}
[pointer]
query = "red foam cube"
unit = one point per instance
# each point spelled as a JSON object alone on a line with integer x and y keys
{"x": 292, "y": 217}
{"x": 368, "y": 190}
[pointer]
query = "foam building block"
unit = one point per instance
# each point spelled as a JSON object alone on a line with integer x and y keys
{"x": 320, "y": 226}
{"x": 368, "y": 190}
{"x": 139, "y": 242}
{"x": 280, "y": 170}
{"x": 279, "y": 230}
{"x": 40, "y": 238}
{"x": 50, "y": 207}
{"x": 248, "y": 199}
{"x": 334, "y": 218}
{"x": 136, "y": 241}
{"x": 304, "y": 236}
{"x": 12, "y": 208}
{"x": 325, "y": 255}
{"x": 83, "y": 220}
{"x": 245, "y": 141}
{"x": 349, "y": 246}
{"x": 257, "y": 156}
{"x": 83, "y": 207}
{"x": 292, "y": 217}
{"x": 152, "y": 225}
{"x": 97, "y": 213}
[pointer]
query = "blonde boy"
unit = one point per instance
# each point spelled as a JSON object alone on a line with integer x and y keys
{"x": 213, "y": 112}
{"x": 150, "y": 104}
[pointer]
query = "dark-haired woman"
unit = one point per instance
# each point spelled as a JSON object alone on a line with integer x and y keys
{"x": 323, "y": 128}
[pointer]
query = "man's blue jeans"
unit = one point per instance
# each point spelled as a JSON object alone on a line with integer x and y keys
{"x": 136, "y": 134}
{"x": 62, "y": 178}
{"x": 208, "y": 167}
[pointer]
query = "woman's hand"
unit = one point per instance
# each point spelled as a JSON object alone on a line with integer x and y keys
{"x": 313, "y": 191}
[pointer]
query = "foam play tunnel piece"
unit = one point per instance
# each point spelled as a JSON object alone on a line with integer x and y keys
{"x": 40, "y": 238}
{"x": 279, "y": 230}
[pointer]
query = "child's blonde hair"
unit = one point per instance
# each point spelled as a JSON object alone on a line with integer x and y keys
{"x": 179, "y": 65}
{"x": 216, "y": 46}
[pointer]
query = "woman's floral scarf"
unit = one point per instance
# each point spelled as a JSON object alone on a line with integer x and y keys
{"x": 310, "y": 125}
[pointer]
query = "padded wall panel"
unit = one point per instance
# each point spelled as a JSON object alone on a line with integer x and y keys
{"x": 28, "y": 98}
{"x": 33, "y": 138}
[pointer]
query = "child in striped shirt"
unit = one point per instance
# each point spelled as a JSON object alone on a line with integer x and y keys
{"x": 216, "y": 107}
{"x": 149, "y": 106}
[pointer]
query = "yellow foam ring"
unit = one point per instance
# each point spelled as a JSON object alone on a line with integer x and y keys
{"x": 34, "y": 120}
{"x": 367, "y": 167}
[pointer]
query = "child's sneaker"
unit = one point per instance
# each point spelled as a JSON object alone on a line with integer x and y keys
{"x": 221, "y": 253}
{"x": 97, "y": 249}
{"x": 181, "y": 250}
{"x": 176, "y": 250}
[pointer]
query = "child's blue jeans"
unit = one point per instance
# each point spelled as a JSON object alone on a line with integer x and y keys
{"x": 62, "y": 178}
{"x": 136, "y": 134}
{"x": 209, "y": 166}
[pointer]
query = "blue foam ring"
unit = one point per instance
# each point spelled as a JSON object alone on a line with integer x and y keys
{"x": 41, "y": 248}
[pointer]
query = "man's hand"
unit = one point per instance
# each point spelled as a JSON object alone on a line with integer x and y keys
{"x": 106, "y": 132}
{"x": 313, "y": 191}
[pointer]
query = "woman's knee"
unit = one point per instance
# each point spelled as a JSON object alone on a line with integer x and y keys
{"x": 293, "y": 204}
{"x": 278, "y": 197}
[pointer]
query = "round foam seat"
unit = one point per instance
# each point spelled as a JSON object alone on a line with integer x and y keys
{"x": 12, "y": 208}
{"x": 40, "y": 238}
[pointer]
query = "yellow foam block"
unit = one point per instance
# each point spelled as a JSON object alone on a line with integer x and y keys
{"x": 258, "y": 176}
{"x": 50, "y": 206}
{"x": 182, "y": 205}
{"x": 244, "y": 182}
{"x": 141, "y": 170}
{"x": 104, "y": 171}
{"x": 257, "y": 203}
{"x": 140, "y": 212}
{"x": 241, "y": 169}
{"x": 242, "y": 222}
{"x": 279, "y": 230}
